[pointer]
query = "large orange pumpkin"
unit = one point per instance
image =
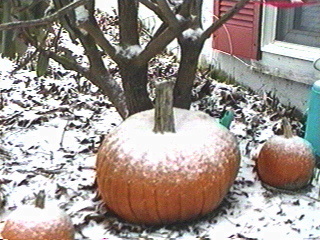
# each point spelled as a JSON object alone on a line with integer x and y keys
{"x": 161, "y": 178}
{"x": 286, "y": 161}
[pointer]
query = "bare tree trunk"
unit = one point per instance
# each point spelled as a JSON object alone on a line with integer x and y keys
{"x": 110, "y": 89}
{"x": 190, "y": 52}
{"x": 128, "y": 22}
{"x": 134, "y": 80}
{"x": 191, "y": 49}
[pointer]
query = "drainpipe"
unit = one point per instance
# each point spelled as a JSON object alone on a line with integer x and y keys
{"x": 313, "y": 119}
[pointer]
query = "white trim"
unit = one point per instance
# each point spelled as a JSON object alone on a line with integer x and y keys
{"x": 269, "y": 18}
{"x": 270, "y": 45}
{"x": 292, "y": 50}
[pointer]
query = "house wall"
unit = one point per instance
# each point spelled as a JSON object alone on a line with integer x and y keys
{"x": 289, "y": 92}
{"x": 291, "y": 89}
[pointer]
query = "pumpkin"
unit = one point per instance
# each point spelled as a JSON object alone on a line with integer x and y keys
{"x": 38, "y": 223}
{"x": 286, "y": 161}
{"x": 155, "y": 169}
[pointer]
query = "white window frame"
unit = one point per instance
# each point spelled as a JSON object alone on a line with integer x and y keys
{"x": 283, "y": 59}
{"x": 270, "y": 44}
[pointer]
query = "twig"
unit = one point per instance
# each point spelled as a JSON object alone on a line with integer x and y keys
{"x": 80, "y": 168}
{"x": 63, "y": 133}
{"x": 44, "y": 20}
{"x": 49, "y": 171}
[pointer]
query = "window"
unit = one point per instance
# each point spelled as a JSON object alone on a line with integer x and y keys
{"x": 292, "y": 32}
{"x": 290, "y": 43}
{"x": 299, "y": 25}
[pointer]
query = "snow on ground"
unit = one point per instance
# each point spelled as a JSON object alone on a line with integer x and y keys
{"x": 52, "y": 128}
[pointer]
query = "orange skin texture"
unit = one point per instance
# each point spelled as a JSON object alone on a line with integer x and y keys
{"x": 286, "y": 163}
{"x": 28, "y": 222}
{"x": 162, "y": 179}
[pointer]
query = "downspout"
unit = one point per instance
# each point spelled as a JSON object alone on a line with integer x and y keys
{"x": 313, "y": 120}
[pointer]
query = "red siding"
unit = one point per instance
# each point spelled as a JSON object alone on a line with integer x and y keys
{"x": 243, "y": 29}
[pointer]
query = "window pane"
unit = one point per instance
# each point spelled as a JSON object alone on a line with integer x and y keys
{"x": 299, "y": 25}
{"x": 308, "y": 18}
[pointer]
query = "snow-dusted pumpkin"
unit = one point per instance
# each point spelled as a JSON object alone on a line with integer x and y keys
{"x": 36, "y": 223}
{"x": 286, "y": 161}
{"x": 149, "y": 176}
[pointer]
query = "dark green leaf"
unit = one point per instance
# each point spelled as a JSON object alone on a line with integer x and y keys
{"x": 42, "y": 65}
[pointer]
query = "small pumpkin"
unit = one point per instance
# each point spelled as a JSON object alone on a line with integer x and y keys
{"x": 38, "y": 223}
{"x": 286, "y": 161}
{"x": 155, "y": 169}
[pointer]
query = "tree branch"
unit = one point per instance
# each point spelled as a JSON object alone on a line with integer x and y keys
{"x": 168, "y": 15}
{"x": 97, "y": 34}
{"x": 67, "y": 63}
{"x": 158, "y": 44}
{"x": 45, "y": 20}
{"x": 196, "y": 10}
{"x": 100, "y": 79}
{"x": 128, "y": 22}
{"x": 166, "y": 34}
{"x": 153, "y": 7}
{"x": 98, "y": 73}
{"x": 224, "y": 18}
{"x": 185, "y": 8}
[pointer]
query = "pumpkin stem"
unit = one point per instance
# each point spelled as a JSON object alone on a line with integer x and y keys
{"x": 164, "y": 117}
{"x": 40, "y": 199}
{"x": 287, "y": 129}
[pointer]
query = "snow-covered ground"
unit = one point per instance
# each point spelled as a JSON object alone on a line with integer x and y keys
{"x": 52, "y": 126}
